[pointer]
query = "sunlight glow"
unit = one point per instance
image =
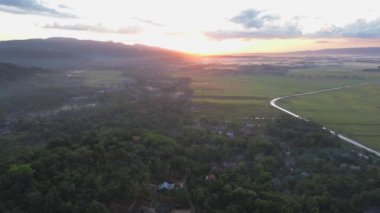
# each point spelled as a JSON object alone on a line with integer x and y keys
{"x": 183, "y": 25}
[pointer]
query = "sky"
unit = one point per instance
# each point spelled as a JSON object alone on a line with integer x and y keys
{"x": 199, "y": 26}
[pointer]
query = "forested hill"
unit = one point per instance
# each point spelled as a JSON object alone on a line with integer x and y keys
{"x": 11, "y": 72}
{"x": 70, "y": 53}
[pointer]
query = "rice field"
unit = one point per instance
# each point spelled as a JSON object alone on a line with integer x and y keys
{"x": 354, "y": 112}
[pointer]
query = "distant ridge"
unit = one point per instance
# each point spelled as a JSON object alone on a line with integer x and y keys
{"x": 359, "y": 51}
{"x": 69, "y": 53}
{"x": 370, "y": 51}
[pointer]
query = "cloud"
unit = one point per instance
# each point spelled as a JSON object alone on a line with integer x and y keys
{"x": 323, "y": 42}
{"x": 149, "y": 22}
{"x": 99, "y": 28}
{"x": 260, "y": 25}
{"x": 359, "y": 29}
{"x": 253, "y": 18}
{"x": 281, "y": 32}
{"x": 30, "y": 7}
{"x": 63, "y": 6}
{"x": 129, "y": 30}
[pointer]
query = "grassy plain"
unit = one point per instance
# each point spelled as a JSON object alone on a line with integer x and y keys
{"x": 229, "y": 92}
{"x": 354, "y": 112}
{"x": 234, "y": 109}
{"x": 102, "y": 78}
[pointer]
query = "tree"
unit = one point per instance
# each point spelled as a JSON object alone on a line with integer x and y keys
{"x": 22, "y": 172}
{"x": 2, "y": 115}
{"x": 96, "y": 207}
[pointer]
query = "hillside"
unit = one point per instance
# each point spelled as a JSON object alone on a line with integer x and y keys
{"x": 67, "y": 53}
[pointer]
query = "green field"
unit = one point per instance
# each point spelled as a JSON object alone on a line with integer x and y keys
{"x": 102, "y": 78}
{"x": 263, "y": 86}
{"x": 223, "y": 90}
{"x": 234, "y": 109}
{"x": 354, "y": 112}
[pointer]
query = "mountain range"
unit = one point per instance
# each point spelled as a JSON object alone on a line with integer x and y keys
{"x": 68, "y": 53}
{"x": 359, "y": 51}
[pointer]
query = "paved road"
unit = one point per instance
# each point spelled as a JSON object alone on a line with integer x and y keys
{"x": 342, "y": 137}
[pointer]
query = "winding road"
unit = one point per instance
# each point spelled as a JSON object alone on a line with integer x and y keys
{"x": 342, "y": 137}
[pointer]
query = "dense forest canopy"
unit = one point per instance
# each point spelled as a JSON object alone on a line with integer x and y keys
{"x": 11, "y": 72}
